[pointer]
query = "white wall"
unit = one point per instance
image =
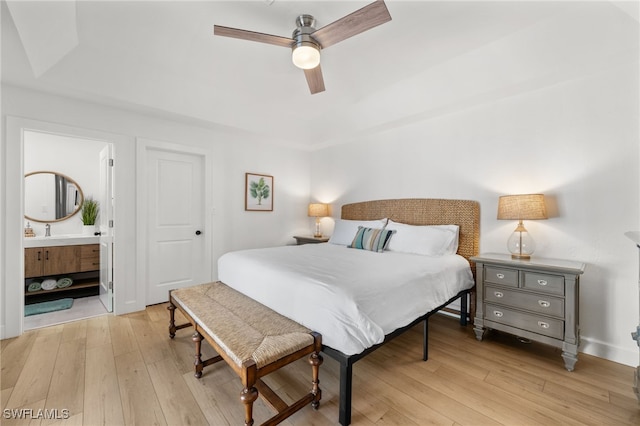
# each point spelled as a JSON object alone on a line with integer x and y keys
{"x": 234, "y": 153}
{"x": 576, "y": 142}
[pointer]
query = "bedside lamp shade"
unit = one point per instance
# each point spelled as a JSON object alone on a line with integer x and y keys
{"x": 318, "y": 210}
{"x": 521, "y": 207}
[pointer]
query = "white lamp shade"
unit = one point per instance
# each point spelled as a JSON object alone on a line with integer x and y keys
{"x": 306, "y": 57}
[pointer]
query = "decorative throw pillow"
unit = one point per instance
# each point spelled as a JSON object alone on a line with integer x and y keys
{"x": 345, "y": 229}
{"x": 372, "y": 239}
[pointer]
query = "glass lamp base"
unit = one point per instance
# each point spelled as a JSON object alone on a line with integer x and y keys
{"x": 520, "y": 244}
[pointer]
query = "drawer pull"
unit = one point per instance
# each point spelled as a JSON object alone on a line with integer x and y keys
{"x": 500, "y": 276}
{"x": 542, "y": 282}
{"x": 497, "y": 314}
{"x": 498, "y": 294}
{"x": 543, "y": 324}
{"x": 544, "y": 303}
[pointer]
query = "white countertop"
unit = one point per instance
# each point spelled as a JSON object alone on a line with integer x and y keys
{"x": 61, "y": 240}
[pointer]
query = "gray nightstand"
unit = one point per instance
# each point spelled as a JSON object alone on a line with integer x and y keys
{"x": 310, "y": 240}
{"x": 537, "y": 299}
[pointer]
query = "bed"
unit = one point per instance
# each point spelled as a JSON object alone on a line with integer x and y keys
{"x": 360, "y": 299}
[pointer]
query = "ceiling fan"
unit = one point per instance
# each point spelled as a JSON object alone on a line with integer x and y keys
{"x": 306, "y": 42}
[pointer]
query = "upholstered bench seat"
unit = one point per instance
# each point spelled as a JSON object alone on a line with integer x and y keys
{"x": 253, "y": 340}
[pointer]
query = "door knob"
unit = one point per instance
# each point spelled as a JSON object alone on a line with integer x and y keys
{"x": 198, "y": 232}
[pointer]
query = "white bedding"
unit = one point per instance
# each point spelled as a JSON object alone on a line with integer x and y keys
{"x": 352, "y": 297}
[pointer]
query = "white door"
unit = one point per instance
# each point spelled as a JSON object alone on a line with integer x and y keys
{"x": 105, "y": 221}
{"x": 175, "y": 204}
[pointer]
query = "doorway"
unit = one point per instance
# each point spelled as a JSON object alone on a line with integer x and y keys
{"x": 56, "y": 225}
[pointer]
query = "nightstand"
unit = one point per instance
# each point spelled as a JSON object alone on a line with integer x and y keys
{"x": 537, "y": 299}
{"x": 310, "y": 240}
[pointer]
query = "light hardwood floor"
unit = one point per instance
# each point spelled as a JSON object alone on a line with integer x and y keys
{"x": 114, "y": 370}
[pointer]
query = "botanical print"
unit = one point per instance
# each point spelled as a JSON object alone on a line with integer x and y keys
{"x": 258, "y": 192}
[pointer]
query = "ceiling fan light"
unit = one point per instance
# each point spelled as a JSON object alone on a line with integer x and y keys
{"x": 305, "y": 56}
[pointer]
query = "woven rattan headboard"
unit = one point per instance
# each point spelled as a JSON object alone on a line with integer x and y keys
{"x": 425, "y": 211}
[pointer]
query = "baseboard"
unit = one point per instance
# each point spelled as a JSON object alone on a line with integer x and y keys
{"x": 129, "y": 307}
{"x": 610, "y": 352}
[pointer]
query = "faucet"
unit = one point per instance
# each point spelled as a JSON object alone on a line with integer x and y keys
{"x": 47, "y": 230}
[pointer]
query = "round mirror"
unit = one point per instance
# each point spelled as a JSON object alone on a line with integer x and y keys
{"x": 51, "y": 197}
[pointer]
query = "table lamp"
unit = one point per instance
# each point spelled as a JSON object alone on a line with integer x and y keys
{"x": 521, "y": 207}
{"x": 318, "y": 210}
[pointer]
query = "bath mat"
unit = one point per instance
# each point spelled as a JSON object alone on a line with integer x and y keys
{"x": 50, "y": 306}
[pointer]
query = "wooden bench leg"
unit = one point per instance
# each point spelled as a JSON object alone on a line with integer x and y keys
{"x": 199, "y": 365}
{"x": 172, "y": 320}
{"x": 249, "y": 394}
{"x": 315, "y": 359}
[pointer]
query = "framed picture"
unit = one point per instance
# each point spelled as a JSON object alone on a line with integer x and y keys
{"x": 258, "y": 192}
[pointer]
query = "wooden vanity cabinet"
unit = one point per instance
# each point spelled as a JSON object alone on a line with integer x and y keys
{"x": 89, "y": 257}
{"x": 79, "y": 262}
{"x": 44, "y": 261}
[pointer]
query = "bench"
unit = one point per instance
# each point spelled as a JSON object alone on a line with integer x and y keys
{"x": 252, "y": 339}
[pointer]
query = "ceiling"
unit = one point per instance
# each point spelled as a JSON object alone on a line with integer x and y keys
{"x": 433, "y": 58}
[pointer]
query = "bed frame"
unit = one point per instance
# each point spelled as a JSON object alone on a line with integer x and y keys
{"x": 413, "y": 211}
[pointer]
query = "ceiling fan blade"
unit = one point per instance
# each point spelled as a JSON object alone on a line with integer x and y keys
{"x": 359, "y": 21}
{"x": 252, "y": 36}
{"x": 315, "y": 80}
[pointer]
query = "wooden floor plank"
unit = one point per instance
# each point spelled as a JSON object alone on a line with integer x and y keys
{"x": 102, "y": 401}
{"x": 178, "y": 403}
{"x": 123, "y": 339}
{"x": 67, "y": 383}
{"x": 14, "y": 356}
{"x": 74, "y": 330}
{"x": 139, "y": 401}
{"x": 412, "y": 387}
{"x": 599, "y": 412}
{"x": 5, "y": 394}
{"x": 153, "y": 345}
{"x": 35, "y": 377}
{"x": 98, "y": 331}
{"x": 213, "y": 401}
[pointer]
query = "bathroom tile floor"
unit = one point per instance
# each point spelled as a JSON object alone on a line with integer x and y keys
{"x": 84, "y": 307}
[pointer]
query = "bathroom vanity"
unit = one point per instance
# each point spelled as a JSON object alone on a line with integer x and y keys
{"x": 75, "y": 257}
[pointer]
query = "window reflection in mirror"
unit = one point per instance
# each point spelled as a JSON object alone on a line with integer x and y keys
{"x": 50, "y": 197}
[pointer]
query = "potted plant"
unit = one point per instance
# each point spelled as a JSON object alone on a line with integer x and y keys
{"x": 89, "y": 214}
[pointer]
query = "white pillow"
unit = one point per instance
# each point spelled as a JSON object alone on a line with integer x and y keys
{"x": 345, "y": 230}
{"x": 429, "y": 240}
